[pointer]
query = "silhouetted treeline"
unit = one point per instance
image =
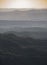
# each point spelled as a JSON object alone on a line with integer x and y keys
{"x": 16, "y": 50}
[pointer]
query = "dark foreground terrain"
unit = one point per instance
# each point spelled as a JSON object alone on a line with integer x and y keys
{"x": 16, "y": 50}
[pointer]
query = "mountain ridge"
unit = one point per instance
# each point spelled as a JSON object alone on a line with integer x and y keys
{"x": 35, "y": 15}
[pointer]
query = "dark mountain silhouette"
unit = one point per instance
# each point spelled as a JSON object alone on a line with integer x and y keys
{"x": 16, "y": 50}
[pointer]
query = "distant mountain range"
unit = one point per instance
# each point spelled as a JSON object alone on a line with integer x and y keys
{"x": 34, "y": 15}
{"x": 34, "y": 29}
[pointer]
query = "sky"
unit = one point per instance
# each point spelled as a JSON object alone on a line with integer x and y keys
{"x": 23, "y": 4}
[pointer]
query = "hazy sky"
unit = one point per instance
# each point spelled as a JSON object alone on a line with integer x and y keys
{"x": 27, "y": 15}
{"x": 23, "y": 4}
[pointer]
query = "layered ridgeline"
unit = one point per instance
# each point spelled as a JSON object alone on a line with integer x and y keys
{"x": 34, "y": 29}
{"x": 27, "y": 23}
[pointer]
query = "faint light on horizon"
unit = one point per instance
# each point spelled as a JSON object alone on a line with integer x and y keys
{"x": 20, "y": 4}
